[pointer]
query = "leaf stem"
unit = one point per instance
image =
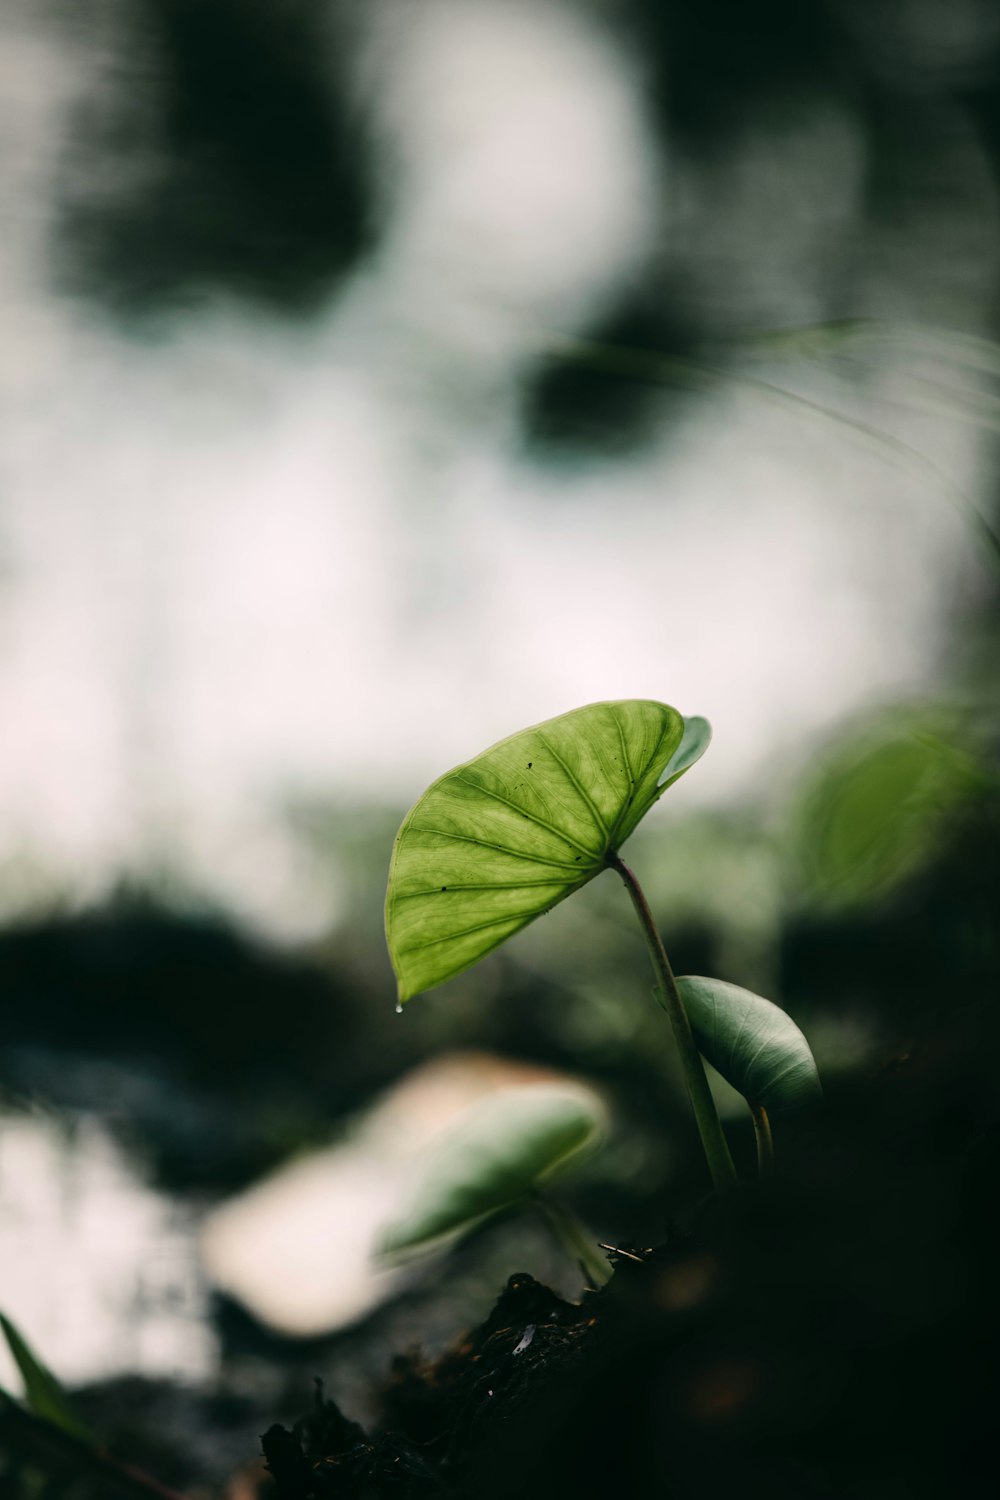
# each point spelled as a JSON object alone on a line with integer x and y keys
{"x": 764, "y": 1139}
{"x": 713, "y": 1139}
{"x": 575, "y": 1240}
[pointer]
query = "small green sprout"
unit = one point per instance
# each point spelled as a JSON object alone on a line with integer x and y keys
{"x": 501, "y": 1155}
{"x": 496, "y": 842}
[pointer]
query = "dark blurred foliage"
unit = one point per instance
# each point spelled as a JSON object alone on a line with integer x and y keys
{"x": 717, "y": 63}
{"x": 132, "y": 1010}
{"x": 225, "y": 153}
{"x": 223, "y": 159}
{"x": 596, "y": 401}
{"x": 128, "y": 1009}
{"x": 714, "y": 73}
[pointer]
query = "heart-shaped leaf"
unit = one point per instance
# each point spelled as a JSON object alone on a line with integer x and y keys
{"x": 43, "y": 1393}
{"x": 494, "y": 1156}
{"x": 497, "y": 842}
{"x": 754, "y": 1045}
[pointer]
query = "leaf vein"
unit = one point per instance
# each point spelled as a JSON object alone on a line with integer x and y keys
{"x": 571, "y": 776}
{"x": 625, "y": 760}
{"x": 496, "y": 885}
{"x": 466, "y": 838}
{"x": 449, "y": 937}
{"x": 788, "y": 1068}
{"x": 496, "y": 796}
{"x": 627, "y": 765}
{"x": 768, "y": 1041}
{"x": 734, "y": 1045}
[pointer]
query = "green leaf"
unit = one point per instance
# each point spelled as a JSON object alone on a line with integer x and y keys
{"x": 497, "y": 842}
{"x": 493, "y": 1157}
{"x": 43, "y": 1394}
{"x": 754, "y": 1045}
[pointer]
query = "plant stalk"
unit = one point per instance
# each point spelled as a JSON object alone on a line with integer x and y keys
{"x": 713, "y": 1139}
{"x": 574, "y": 1239}
{"x": 764, "y": 1139}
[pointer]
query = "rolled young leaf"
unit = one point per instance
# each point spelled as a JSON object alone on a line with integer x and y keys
{"x": 754, "y": 1044}
{"x": 695, "y": 741}
{"x": 494, "y": 1156}
{"x": 498, "y": 841}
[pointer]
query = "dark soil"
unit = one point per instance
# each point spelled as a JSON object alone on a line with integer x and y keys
{"x": 442, "y": 1422}
{"x": 531, "y": 1336}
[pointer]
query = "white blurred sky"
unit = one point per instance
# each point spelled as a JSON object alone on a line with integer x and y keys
{"x": 249, "y": 563}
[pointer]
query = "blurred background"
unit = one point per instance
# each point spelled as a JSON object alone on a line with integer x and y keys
{"x": 377, "y": 379}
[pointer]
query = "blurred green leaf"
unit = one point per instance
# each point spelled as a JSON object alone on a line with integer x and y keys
{"x": 43, "y": 1393}
{"x": 492, "y": 1158}
{"x": 880, "y": 806}
{"x": 497, "y": 842}
{"x": 753, "y": 1043}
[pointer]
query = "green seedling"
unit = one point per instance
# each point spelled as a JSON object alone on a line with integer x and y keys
{"x": 499, "y": 1156}
{"x": 498, "y": 841}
